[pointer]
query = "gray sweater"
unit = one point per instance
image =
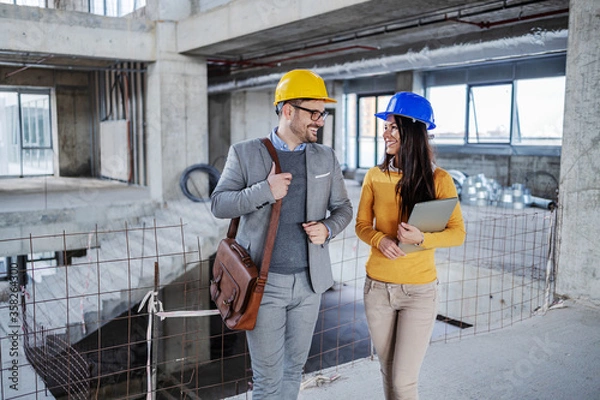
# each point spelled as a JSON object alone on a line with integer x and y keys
{"x": 290, "y": 253}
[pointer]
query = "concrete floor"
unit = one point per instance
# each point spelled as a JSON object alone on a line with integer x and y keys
{"x": 554, "y": 356}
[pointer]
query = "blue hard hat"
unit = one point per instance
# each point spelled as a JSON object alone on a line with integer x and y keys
{"x": 410, "y": 105}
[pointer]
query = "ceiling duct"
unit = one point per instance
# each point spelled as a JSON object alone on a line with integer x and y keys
{"x": 536, "y": 43}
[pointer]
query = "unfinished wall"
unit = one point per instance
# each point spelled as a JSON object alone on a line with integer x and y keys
{"x": 219, "y": 128}
{"x": 252, "y": 114}
{"x": 74, "y": 130}
{"x": 538, "y": 173}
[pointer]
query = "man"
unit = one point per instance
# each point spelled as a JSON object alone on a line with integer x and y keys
{"x": 315, "y": 207}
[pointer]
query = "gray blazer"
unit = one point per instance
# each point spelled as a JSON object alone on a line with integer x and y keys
{"x": 243, "y": 191}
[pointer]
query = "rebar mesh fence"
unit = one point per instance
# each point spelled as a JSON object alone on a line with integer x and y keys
{"x": 131, "y": 314}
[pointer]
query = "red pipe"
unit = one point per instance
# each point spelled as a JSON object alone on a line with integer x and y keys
{"x": 276, "y": 62}
{"x": 9, "y": 74}
{"x": 328, "y": 52}
{"x": 240, "y": 62}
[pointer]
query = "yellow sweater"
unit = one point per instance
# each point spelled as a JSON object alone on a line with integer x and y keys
{"x": 377, "y": 217}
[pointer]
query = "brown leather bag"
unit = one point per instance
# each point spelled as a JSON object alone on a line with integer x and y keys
{"x": 237, "y": 286}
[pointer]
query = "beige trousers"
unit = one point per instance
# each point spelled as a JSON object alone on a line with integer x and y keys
{"x": 401, "y": 320}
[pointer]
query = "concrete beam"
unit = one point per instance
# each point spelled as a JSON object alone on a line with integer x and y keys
{"x": 57, "y": 32}
{"x": 244, "y": 17}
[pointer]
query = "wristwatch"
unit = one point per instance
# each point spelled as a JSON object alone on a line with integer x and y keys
{"x": 421, "y": 242}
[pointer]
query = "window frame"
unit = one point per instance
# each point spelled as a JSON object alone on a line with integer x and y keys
{"x": 493, "y": 73}
{"x": 113, "y": 8}
{"x": 467, "y": 137}
{"x": 380, "y": 104}
{"x": 20, "y": 91}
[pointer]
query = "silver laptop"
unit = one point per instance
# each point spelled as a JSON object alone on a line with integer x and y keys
{"x": 430, "y": 216}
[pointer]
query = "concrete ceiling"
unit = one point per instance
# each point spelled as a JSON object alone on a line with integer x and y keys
{"x": 356, "y": 34}
{"x": 378, "y": 29}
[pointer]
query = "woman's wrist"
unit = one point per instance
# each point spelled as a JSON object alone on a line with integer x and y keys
{"x": 422, "y": 239}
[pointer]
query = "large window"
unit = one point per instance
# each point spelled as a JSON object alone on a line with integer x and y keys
{"x": 31, "y": 3}
{"x": 449, "y": 104}
{"x": 518, "y": 103}
{"x": 115, "y": 8}
{"x": 110, "y": 8}
{"x": 25, "y": 134}
{"x": 4, "y": 269}
{"x": 540, "y": 105}
{"x": 489, "y": 114}
{"x": 364, "y": 131}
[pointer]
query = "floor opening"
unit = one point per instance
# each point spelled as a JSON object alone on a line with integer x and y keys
{"x": 453, "y": 322}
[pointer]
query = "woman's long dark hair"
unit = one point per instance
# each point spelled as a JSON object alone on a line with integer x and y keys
{"x": 415, "y": 160}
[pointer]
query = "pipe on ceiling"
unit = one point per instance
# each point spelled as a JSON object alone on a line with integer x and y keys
{"x": 9, "y": 74}
{"x": 276, "y": 63}
{"x": 391, "y": 27}
{"x": 488, "y": 24}
{"x": 26, "y": 65}
{"x": 538, "y": 43}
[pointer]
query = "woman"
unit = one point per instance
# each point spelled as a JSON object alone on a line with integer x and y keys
{"x": 401, "y": 289}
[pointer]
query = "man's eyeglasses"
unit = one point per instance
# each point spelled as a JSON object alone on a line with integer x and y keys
{"x": 314, "y": 114}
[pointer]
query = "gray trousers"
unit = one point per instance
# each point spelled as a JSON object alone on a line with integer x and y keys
{"x": 280, "y": 342}
{"x": 401, "y": 320}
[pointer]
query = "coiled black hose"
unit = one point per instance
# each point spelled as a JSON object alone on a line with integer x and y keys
{"x": 213, "y": 178}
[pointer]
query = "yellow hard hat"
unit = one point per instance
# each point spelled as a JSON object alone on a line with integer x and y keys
{"x": 301, "y": 84}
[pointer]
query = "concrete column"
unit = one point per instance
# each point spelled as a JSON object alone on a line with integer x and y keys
{"x": 579, "y": 196}
{"x": 252, "y": 114}
{"x": 219, "y": 126}
{"x": 177, "y": 117}
{"x": 335, "y": 89}
{"x": 404, "y": 81}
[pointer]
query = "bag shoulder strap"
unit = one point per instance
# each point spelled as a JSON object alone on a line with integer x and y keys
{"x": 274, "y": 221}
